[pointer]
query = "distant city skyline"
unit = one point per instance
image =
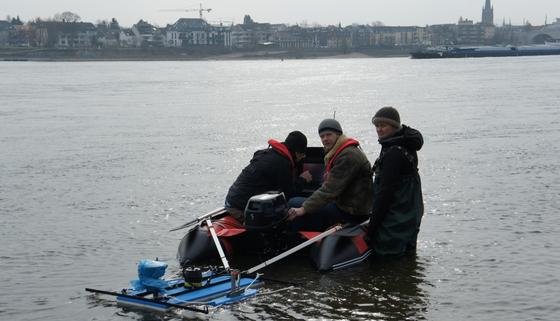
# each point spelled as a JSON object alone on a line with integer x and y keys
{"x": 323, "y": 12}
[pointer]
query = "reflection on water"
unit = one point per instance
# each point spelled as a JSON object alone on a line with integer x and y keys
{"x": 396, "y": 289}
{"x": 390, "y": 289}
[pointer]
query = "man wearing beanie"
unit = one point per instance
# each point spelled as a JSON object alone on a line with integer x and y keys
{"x": 345, "y": 195}
{"x": 271, "y": 169}
{"x": 397, "y": 202}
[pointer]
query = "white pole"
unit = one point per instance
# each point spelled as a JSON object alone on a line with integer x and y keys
{"x": 218, "y": 245}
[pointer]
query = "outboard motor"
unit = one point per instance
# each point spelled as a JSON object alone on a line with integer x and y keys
{"x": 265, "y": 211}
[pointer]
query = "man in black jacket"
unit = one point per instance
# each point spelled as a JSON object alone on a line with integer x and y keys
{"x": 271, "y": 169}
{"x": 397, "y": 203}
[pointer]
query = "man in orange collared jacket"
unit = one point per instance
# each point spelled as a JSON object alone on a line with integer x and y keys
{"x": 271, "y": 169}
{"x": 346, "y": 193}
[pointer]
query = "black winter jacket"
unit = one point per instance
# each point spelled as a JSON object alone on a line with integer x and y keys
{"x": 397, "y": 204}
{"x": 267, "y": 171}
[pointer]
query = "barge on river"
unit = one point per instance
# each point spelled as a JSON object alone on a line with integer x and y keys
{"x": 487, "y": 51}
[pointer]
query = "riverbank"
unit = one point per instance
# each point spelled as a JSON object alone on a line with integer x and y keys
{"x": 172, "y": 54}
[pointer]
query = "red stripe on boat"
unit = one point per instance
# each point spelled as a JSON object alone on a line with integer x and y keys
{"x": 228, "y": 226}
{"x": 360, "y": 243}
{"x": 228, "y": 248}
{"x": 309, "y": 235}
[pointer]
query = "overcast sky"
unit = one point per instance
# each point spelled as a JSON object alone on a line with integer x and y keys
{"x": 324, "y": 12}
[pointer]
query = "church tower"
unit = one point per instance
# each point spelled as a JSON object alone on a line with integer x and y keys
{"x": 488, "y": 14}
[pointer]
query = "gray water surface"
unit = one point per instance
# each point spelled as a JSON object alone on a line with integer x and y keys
{"x": 100, "y": 159}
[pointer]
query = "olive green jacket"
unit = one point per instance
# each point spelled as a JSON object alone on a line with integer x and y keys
{"x": 349, "y": 183}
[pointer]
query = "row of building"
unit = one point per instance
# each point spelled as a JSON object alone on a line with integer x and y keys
{"x": 196, "y": 32}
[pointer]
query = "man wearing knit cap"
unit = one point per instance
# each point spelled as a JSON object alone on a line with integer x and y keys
{"x": 346, "y": 191}
{"x": 397, "y": 201}
{"x": 271, "y": 169}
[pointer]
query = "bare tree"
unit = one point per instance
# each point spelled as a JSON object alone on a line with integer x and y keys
{"x": 67, "y": 16}
{"x": 103, "y": 23}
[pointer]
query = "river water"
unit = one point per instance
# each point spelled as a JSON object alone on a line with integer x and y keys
{"x": 100, "y": 159}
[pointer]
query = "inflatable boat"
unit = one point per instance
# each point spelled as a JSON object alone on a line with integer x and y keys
{"x": 342, "y": 249}
{"x": 265, "y": 232}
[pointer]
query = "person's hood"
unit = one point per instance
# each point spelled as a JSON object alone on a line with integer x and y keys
{"x": 406, "y": 137}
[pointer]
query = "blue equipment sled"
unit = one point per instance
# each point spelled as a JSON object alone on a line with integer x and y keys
{"x": 198, "y": 290}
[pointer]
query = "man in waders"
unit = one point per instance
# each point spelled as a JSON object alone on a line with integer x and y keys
{"x": 271, "y": 169}
{"x": 345, "y": 195}
{"x": 397, "y": 202}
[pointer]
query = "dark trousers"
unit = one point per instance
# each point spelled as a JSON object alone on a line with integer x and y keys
{"x": 321, "y": 220}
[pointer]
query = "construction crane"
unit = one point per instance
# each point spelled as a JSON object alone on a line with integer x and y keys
{"x": 200, "y": 10}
